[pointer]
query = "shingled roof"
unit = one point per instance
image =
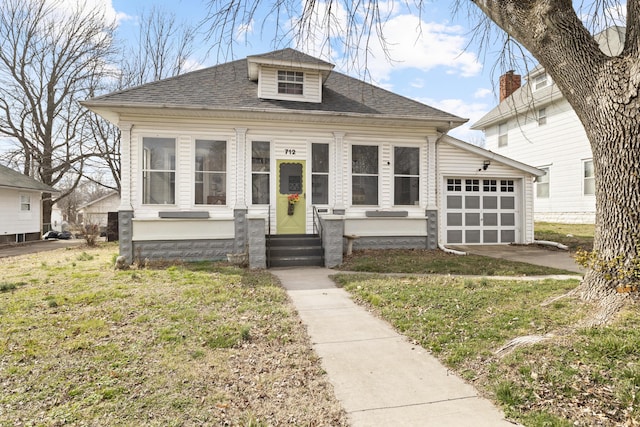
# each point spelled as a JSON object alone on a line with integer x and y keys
{"x": 228, "y": 87}
{"x": 18, "y": 181}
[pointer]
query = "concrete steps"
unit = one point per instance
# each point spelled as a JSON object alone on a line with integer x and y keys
{"x": 293, "y": 250}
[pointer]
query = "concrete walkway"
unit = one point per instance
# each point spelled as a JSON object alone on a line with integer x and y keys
{"x": 380, "y": 378}
{"x": 531, "y": 254}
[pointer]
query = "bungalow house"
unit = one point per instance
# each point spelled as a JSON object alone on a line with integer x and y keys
{"x": 20, "y": 206}
{"x": 254, "y": 155}
{"x": 535, "y": 123}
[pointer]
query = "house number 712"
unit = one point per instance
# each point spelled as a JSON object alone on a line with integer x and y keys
{"x": 289, "y": 151}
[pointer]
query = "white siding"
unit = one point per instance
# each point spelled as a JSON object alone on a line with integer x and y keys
{"x": 268, "y": 86}
{"x": 97, "y": 213}
{"x": 15, "y": 221}
{"x": 456, "y": 163}
{"x": 561, "y": 145}
{"x": 291, "y": 140}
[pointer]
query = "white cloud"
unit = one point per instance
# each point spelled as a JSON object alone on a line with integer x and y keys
{"x": 111, "y": 15}
{"x": 464, "y": 109}
{"x": 482, "y": 93}
{"x": 243, "y": 31}
{"x": 417, "y": 83}
{"x": 412, "y": 43}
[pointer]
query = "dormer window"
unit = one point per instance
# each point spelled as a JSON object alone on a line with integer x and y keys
{"x": 290, "y": 82}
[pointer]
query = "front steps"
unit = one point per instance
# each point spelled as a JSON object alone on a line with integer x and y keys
{"x": 293, "y": 250}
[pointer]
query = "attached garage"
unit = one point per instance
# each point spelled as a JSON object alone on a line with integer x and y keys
{"x": 485, "y": 198}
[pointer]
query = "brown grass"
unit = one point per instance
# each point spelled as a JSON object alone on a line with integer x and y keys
{"x": 202, "y": 344}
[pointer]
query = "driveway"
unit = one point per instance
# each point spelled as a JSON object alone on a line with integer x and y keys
{"x": 38, "y": 246}
{"x": 531, "y": 254}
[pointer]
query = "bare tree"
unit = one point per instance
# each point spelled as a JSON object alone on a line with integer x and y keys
{"x": 603, "y": 90}
{"x": 48, "y": 61}
{"x": 162, "y": 49}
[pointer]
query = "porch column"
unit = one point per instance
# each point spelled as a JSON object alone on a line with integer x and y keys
{"x": 431, "y": 186}
{"x": 241, "y": 229}
{"x": 240, "y": 164}
{"x": 257, "y": 242}
{"x": 337, "y": 171}
{"x": 125, "y": 210}
{"x": 332, "y": 240}
{"x": 125, "y": 166}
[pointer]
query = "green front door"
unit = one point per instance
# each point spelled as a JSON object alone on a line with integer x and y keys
{"x": 291, "y": 207}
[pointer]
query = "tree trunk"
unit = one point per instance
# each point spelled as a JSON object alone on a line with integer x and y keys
{"x": 603, "y": 91}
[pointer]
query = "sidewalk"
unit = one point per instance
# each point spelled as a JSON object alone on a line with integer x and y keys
{"x": 380, "y": 378}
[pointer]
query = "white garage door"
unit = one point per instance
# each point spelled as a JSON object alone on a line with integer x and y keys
{"x": 481, "y": 211}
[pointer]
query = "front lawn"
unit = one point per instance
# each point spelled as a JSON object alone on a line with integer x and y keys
{"x": 575, "y": 236}
{"x": 584, "y": 377}
{"x": 186, "y": 345}
{"x": 421, "y": 261}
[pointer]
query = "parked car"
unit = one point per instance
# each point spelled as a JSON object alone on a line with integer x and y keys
{"x": 53, "y": 234}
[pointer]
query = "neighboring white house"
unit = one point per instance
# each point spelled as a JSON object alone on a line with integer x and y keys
{"x": 20, "y": 206}
{"x": 535, "y": 124}
{"x": 226, "y": 159}
{"x": 96, "y": 212}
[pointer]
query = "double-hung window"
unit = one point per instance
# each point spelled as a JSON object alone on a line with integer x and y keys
{"x": 260, "y": 168}
{"x": 589, "y": 183}
{"x": 542, "y": 185}
{"x": 290, "y": 82}
{"x": 320, "y": 174}
{"x": 158, "y": 171}
{"x": 25, "y": 203}
{"x": 406, "y": 180}
{"x": 542, "y": 116}
{"x": 211, "y": 172}
{"x": 364, "y": 175}
{"x": 503, "y": 135}
{"x": 540, "y": 81}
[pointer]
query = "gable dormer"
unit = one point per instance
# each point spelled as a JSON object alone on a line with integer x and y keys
{"x": 289, "y": 75}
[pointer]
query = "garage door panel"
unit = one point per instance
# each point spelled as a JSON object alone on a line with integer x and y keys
{"x": 490, "y": 219}
{"x": 490, "y": 236}
{"x": 454, "y": 236}
{"x": 472, "y": 202}
{"x": 472, "y": 236}
{"x": 490, "y": 202}
{"x": 481, "y": 210}
{"x": 472, "y": 219}
{"x": 454, "y": 219}
{"x": 507, "y": 236}
{"x": 507, "y": 219}
{"x": 507, "y": 202}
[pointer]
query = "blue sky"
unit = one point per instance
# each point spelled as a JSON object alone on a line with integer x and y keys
{"x": 435, "y": 61}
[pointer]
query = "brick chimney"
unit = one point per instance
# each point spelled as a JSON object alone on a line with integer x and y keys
{"x": 509, "y": 83}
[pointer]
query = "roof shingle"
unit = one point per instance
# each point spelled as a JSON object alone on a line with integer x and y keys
{"x": 227, "y": 86}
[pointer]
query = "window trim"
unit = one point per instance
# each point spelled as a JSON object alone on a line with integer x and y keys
{"x": 266, "y": 172}
{"x": 540, "y": 81}
{"x": 353, "y": 174}
{"x": 503, "y": 134}
{"x": 547, "y": 182}
{"x": 24, "y": 204}
{"x": 327, "y": 173}
{"x": 542, "y": 116}
{"x": 205, "y": 172}
{"x": 290, "y": 83}
{"x": 173, "y": 159}
{"x": 395, "y": 175}
{"x": 584, "y": 178}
